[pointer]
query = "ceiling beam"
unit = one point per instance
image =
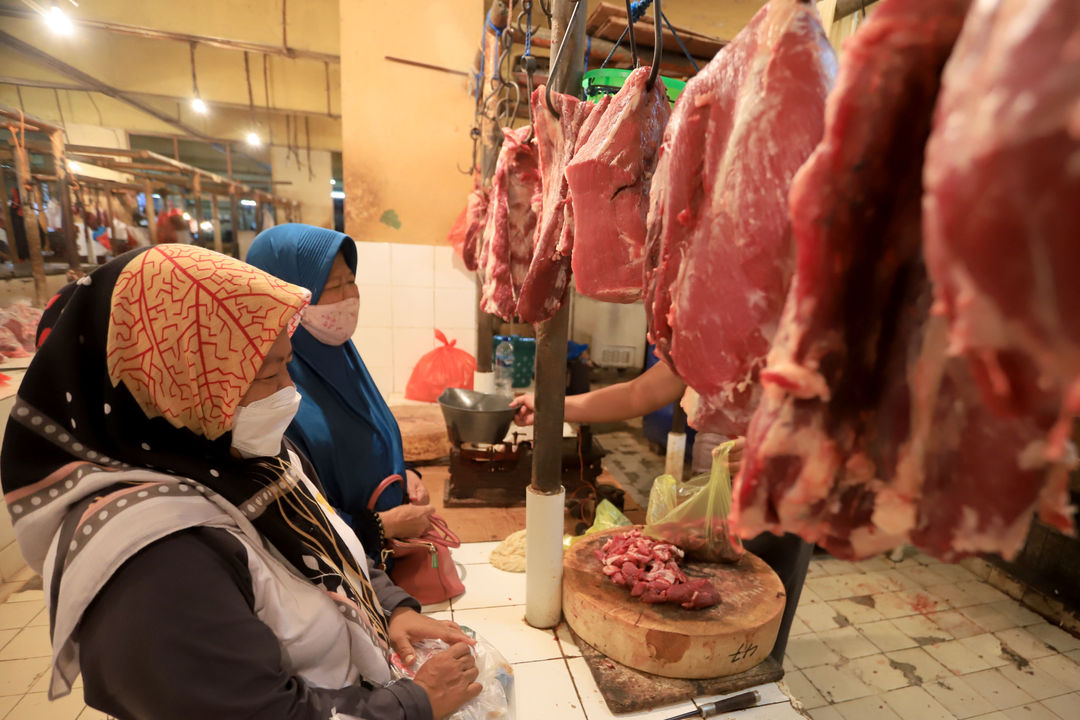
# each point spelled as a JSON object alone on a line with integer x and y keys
{"x": 90, "y": 81}
{"x": 53, "y": 85}
{"x": 847, "y": 7}
{"x": 153, "y": 34}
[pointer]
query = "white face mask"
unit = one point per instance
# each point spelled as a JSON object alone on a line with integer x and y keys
{"x": 332, "y": 324}
{"x": 258, "y": 428}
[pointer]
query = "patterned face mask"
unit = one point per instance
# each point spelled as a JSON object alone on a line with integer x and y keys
{"x": 332, "y": 324}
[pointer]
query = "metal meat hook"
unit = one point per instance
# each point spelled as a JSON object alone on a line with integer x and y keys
{"x": 658, "y": 45}
{"x": 558, "y": 56}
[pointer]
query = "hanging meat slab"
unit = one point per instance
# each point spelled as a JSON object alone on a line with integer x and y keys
{"x": 868, "y": 435}
{"x": 1002, "y": 230}
{"x": 511, "y": 226}
{"x": 475, "y": 219}
{"x": 609, "y": 179}
{"x": 719, "y": 248}
{"x": 548, "y": 279}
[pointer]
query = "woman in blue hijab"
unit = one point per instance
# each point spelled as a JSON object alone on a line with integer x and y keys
{"x": 344, "y": 426}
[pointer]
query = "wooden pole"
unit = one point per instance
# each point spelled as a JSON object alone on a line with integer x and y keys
{"x": 6, "y": 215}
{"x": 33, "y": 236}
{"x": 63, "y": 182}
{"x": 234, "y": 208}
{"x": 216, "y": 213}
{"x": 258, "y": 215}
{"x": 151, "y": 213}
{"x": 551, "y": 335}
{"x": 197, "y": 192}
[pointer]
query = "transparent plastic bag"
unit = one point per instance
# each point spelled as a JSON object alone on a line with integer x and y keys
{"x": 692, "y": 515}
{"x": 607, "y": 516}
{"x": 496, "y": 700}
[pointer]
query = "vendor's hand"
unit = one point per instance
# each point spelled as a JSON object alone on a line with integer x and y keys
{"x": 526, "y": 409}
{"x": 449, "y": 679}
{"x": 418, "y": 494}
{"x": 407, "y": 520}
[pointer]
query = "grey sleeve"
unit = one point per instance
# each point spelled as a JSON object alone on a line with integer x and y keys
{"x": 391, "y": 596}
{"x": 173, "y": 636}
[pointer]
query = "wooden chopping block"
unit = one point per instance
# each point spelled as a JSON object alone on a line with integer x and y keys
{"x": 423, "y": 432}
{"x": 666, "y": 639}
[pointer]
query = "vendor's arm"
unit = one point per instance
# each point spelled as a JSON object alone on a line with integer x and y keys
{"x": 173, "y": 634}
{"x": 653, "y": 389}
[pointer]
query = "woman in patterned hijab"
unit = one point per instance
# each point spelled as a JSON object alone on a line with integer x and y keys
{"x": 185, "y": 578}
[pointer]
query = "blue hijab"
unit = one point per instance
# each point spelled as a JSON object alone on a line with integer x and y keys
{"x": 344, "y": 426}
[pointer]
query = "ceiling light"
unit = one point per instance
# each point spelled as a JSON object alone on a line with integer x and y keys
{"x": 155, "y": 195}
{"x": 58, "y": 22}
{"x": 187, "y": 216}
{"x": 253, "y": 139}
{"x": 337, "y": 194}
{"x": 198, "y": 105}
{"x": 333, "y": 181}
{"x": 206, "y": 226}
{"x": 74, "y": 167}
{"x": 248, "y": 203}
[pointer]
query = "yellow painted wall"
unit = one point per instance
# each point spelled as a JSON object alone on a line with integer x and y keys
{"x": 313, "y": 190}
{"x": 99, "y": 137}
{"x": 406, "y": 129}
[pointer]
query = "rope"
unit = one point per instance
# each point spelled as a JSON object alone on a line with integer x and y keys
{"x": 638, "y": 8}
{"x": 679, "y": 40}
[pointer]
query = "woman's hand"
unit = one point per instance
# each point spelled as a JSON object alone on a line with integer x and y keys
{"x": 408, "y": 627}
{"x": 449, "y": 679}
{"x": 407, "y": 520}
{"x": 526, "y": 409}
{"x": 418, "y": 494}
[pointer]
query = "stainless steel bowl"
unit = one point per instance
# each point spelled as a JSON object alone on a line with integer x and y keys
{"x": 475, "y": 417}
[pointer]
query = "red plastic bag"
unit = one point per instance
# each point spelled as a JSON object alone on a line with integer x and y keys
{"x": 444, "y": 367}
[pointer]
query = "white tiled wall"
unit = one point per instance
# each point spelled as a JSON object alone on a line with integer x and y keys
{"x": 406, "y": 292}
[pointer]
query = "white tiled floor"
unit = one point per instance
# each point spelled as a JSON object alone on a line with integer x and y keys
{"x": 919, "y": 640}
{"x": 552, "y": 680}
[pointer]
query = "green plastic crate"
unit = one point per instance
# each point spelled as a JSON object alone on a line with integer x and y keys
{"x": 608, "y": 81}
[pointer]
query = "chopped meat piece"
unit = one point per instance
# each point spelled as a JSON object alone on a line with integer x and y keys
{"x": 609, "y": 179}
{"x": 719, "y": 252}
{"x": 649, "y": 568}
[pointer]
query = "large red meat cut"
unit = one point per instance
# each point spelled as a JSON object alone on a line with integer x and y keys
{"x": 511, "y": 224}
{"x": 548, "y": 278}
{"x": 609, "y": 179}
{"x": 473, "y": 220}
{"x": 868, "y": 435}
{"x": 1002, "y": 227}
{"x": 719, "y": 253}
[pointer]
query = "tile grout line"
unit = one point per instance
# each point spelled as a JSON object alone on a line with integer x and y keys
{"x": 573, "y": 682}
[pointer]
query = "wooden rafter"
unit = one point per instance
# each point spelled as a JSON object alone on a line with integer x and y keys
{"x": 155, "y": 34}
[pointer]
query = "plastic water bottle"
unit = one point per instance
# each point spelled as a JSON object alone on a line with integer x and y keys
{"x": 504, "y": 368}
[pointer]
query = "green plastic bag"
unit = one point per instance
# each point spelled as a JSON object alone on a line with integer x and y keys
{"x": 607, "y": 516}
{"x": 692, "y": 515}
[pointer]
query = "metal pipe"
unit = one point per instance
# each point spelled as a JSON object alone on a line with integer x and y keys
{"x": 553, "y": 71}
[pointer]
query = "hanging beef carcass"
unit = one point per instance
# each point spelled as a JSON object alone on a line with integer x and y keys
{"x": 1002, "y": 229}
{"x": 511, "y": 225}
{"x": 548, "y": 278}
{"x": 609, "y": 180}
{"x": 719, "y": 253}
{"x": 868, "y": 435}
{"x": 468, "y": 229}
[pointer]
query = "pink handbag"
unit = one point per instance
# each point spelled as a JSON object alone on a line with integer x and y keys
{"x": 422, "y": 566}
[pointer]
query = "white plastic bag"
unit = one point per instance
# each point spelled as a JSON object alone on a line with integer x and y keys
{"x": 496, "y": 700}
